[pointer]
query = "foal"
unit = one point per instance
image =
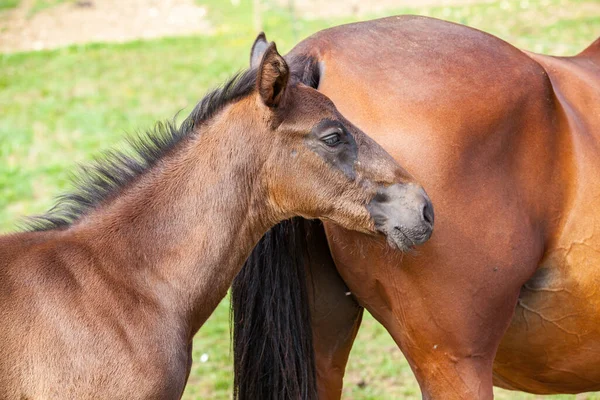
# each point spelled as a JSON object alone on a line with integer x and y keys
{"x": 103, "y": 297}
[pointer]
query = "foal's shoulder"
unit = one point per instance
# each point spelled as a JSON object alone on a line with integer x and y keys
{"x": 28, "y": 258}
{"x": 16, "y": 246}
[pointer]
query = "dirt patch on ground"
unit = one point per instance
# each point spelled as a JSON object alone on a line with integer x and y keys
{"x": 338, "y": 8}
{"x": 86, "y": 21}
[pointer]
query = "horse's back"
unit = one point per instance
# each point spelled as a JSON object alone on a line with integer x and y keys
{"x": 32, "y": 283}
{"x": 592, "y": 52}
{"x": 17, "y": 308}
{"x": 430, "y": 89}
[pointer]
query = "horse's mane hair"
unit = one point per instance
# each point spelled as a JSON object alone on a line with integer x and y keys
{"x": 106, "y": 177}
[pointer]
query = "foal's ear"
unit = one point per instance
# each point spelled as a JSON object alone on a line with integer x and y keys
{"x": 272, "y": 76}
{"x": 258, "y": 49}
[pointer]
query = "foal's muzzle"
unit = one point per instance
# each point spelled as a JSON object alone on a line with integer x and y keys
{"x": 404, "y": 213}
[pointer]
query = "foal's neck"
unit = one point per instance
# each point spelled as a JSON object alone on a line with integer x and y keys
{"x": 190, "y": 222}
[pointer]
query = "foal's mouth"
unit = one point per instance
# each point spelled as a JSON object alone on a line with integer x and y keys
{"x": 403, "y": 239}
{"x": 399, "y": 240}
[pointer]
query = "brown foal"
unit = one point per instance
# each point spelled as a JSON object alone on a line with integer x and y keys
{"x": 102, "y": 298}
{"x": 507, "y": 143}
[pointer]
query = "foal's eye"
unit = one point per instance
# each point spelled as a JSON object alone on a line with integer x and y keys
{"x": 332, "y": 139}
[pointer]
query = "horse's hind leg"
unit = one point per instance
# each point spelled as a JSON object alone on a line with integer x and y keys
{"x": 446, "y": 305}
{"x": 335, "y": 318}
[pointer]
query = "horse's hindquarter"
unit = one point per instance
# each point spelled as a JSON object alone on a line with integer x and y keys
{"x": 553, "y": 343}
{"x": 474, "y": 120}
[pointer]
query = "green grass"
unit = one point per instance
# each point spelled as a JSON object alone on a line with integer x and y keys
{"x": 41, "y": 5}
{"x": 8, "y": 4}
{"x": 61, "y": 107}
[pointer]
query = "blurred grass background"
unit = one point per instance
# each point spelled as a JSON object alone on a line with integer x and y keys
{"x": 61, "y": 107}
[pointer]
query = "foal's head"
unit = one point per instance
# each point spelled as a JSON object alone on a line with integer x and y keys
{"x": 318, "y": 165}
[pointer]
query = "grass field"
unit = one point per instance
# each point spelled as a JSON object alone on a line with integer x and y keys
{"x": 59, "y": 108}
{"x": 8, "y": 4}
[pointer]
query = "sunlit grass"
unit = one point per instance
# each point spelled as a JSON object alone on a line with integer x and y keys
{"x": 8, "y": 4}
{"x": 59, "y": 108}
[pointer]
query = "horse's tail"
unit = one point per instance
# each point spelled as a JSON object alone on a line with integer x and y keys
{"x": 272, "y": 336}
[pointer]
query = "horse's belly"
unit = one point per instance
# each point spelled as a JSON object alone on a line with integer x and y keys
{"x": 553, "y": 342}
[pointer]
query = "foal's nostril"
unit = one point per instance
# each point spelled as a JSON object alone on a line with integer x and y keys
{"x": 427, "y": 212}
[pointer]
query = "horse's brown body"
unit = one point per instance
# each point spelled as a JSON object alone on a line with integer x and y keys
{"x": 104, "y": 300}
{"x": 507, "y": 143}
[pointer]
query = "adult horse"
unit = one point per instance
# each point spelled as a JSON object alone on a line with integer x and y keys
{"x": 102, "y": 299}
{"x": 506, "y": 142}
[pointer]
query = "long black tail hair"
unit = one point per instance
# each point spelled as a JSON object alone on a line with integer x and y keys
{"x": 272, "y": 336}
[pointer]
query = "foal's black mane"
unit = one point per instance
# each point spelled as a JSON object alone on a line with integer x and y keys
{"x": 105, "y": 177}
